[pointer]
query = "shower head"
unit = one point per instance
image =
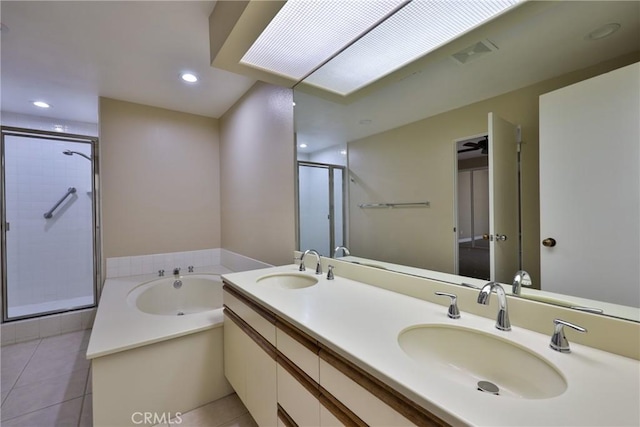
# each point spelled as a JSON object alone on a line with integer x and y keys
{"x": 71, "y": 153}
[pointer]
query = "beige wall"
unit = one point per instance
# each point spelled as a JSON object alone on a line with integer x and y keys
{"x": 160, "y": 180}
{"x": 415, "y": 163}
{"x": 257, "y": 172}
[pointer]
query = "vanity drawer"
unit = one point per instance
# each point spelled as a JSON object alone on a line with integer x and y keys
{"x": 328, "y": 419}
{"x": 301, "y": 349}
{"x": 300, "y": 402}
{"x": 365, "y": 405}
{"x": 257, "y": 317}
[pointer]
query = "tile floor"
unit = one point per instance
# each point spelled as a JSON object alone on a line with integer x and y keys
{"x": 47, "y": 383}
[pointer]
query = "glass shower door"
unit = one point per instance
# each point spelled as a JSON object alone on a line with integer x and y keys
{"x": 320, "y": 207}
{"x": 49, "y": 239}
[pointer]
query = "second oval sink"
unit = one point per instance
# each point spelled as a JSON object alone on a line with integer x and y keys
{"x": 287, "y": 280}
{"x": 469, "y": 356}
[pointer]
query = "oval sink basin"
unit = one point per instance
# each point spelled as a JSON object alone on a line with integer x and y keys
{"x": 287, "y": 280}
{"x": 468, "y": 356}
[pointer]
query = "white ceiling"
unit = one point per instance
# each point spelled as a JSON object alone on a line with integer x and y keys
{"x": 70, "y": 52}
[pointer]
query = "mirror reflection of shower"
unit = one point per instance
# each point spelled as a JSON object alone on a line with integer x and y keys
{"x": 71, "y": 153}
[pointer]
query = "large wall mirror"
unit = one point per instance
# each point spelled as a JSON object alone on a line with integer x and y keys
{"x": 425, "y": 190}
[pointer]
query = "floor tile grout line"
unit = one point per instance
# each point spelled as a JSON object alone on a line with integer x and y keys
{"x": 24, "y": 367}
{"x": 84, "y": 396}
{"x": 41, "y": 409}
{"x": 50, "y": 378}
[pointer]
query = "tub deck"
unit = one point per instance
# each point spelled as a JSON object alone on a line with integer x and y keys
{"x": 119, "y": 326}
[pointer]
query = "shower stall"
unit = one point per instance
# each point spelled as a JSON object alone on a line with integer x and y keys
{"x": 321, "y": 207}
{"x": 49, "y": 217}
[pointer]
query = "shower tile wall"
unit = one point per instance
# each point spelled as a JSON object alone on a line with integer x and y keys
{"x": 48, "y": 259}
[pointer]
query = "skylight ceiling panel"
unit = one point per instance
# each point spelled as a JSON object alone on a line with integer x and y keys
{"x": 416, "y": 29}
{"x": 306, "y": 33}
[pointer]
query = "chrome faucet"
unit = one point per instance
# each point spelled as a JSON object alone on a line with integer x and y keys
{"x": 522, "y": 278}
{"x": 558, "y": 339}
{"x": 330, "y": 275}
{"x": 176, "y": 271}
{"x": 502, "y": 322}
{"x": 318, "y": 265}
{"x": 345, "y": 251}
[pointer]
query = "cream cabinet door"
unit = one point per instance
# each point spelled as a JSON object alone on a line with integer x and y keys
{"x": 261, "y": 398}
{"x": 251, "y": 372}
{"x": 236, "y": 343}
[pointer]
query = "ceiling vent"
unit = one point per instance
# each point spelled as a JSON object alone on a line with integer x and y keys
{"x": 475, "y": 51}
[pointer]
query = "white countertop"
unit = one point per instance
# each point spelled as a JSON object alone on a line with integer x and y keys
{"x": 119, "y": 326}
{"x": 362, "y": 323}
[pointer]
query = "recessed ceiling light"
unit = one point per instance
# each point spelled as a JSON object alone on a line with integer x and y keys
{"x": 41, "y": 104}
{"x": 303, "y": 145}
{"x": 189, "y": 77}
{"x": 602, "y": 32}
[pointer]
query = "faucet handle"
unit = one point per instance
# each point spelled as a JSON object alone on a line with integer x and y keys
{"x": 558, "y": 339}
{"x": 454, "y": 312}
{"x": 330, "y": 275}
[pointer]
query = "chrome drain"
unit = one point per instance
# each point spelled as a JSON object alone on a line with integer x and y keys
{"x": 488, "y": 387}
{"x": 180, "y": 313}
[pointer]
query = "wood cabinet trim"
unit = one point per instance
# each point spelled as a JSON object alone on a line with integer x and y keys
{"x": 252, "y": 333}
{"x": 310, "y": 343}
{"x": 268, "y": 315}
{"x": 398, "y": 402}
{"x": 285, "y": 417}
{"x": 339, "y": 410}
{"x": 298, "y": 374}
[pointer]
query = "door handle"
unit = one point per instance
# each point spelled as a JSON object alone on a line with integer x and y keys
{"x": 486, "y": 237}
{"x": 549, "y": 242}
{"x": 501, "y": 238}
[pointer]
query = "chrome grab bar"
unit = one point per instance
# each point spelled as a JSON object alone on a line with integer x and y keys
{"x": 394, "y": 205}
{"x": 49, "y": 214}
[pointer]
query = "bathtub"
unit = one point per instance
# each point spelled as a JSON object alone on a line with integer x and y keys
{"x": 157, "y": 347}
{"x": 178, "y": 296}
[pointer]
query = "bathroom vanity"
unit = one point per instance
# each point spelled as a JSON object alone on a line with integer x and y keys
{"x": 304, "y": 350}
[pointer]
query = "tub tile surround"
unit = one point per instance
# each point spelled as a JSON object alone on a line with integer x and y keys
{"x": 602, "y": 386}
{"x": 150, "y": 264}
